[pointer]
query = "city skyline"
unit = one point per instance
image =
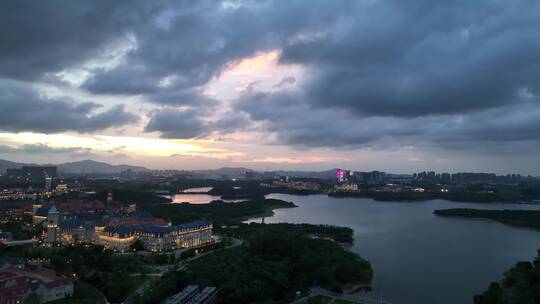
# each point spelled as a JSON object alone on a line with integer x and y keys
{"x": 369, "y": 85}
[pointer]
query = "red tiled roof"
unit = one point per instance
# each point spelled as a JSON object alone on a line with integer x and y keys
{"x": 14, "y": 287}
{"x": 14, "y": 281}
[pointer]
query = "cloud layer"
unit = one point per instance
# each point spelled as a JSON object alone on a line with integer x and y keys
{"x": 377, "y": 74}
{"x": 24, "y": 109}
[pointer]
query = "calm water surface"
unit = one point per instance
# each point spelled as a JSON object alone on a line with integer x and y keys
{"x": 194, "y": 196}
{"x": 417, "y": 256}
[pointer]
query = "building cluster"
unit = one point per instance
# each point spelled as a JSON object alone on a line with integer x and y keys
{"x": 369, "y": 177}
{"x": 346, "y": 187}
{"x": 193, "y": 294}
{"x": 18, "y": 194}
{"x": 470, "y": 177}
{"x": 81, "y": 206}
{"x": 32, "y": 194}
{"x": 32, "y": 172}
{"x": 18, "y": 284}
{"x": 36, "y": 174}
{"x": 294, "y": 185}
{"x": 116, "y": 227}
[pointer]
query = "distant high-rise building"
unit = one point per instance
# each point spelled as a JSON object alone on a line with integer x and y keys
{"x": 53, "y": 217}
{"x": 109, "y": 197}
{"x": 340, "y": 175}
{"x": 33, "y": 172}
{"x": 446, "y": 177}
{"x": 48, "y": 183}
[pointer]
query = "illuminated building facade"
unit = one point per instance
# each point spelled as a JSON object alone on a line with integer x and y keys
{"x": 118, "y": 232}
{"x": 154, "y": 233}
{"x": 187, "y": 235}
{"x": 53, "y": 218}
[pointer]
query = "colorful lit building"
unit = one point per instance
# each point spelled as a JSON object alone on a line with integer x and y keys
{"x": 340, "y": 175}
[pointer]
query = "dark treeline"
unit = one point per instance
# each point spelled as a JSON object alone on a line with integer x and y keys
{"x": 424, "y": 196}
{"x": 218, "y": 211}
{"x": 272, "y": 267}
{"x": 274, "y": 262}
{"x": 522, "y": 218}
{"x": 252, "y": 230}
{"x": 520, "y": 285}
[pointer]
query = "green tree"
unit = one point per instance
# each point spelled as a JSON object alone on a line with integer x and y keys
{"x": 32, "y": 298}
{"x": 137, "y": 246}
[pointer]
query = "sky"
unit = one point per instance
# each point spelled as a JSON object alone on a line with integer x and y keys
{"x": 399, "y": 86}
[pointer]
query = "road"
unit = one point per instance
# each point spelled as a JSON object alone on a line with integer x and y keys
{"x": 354, "y": 297}
{"x": 140, "y": 290}
{"x": 183, "y": 264}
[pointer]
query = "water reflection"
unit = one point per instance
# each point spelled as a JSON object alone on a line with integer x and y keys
{"x": 196, "y": 196}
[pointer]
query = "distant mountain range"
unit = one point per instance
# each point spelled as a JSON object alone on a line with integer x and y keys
{"x": 6, "y": 164}
{"x": 90, "y": 166}
{"x": 79, "y": 167}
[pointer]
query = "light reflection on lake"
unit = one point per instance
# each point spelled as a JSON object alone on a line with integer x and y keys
{"x": 197, "y": 190}
{"x": 194, "y": 196}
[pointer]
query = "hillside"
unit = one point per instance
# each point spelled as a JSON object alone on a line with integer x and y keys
{"x": 6, "y": 164}
{"x": 90, "y": 166}
{"x": 79, "y": 167}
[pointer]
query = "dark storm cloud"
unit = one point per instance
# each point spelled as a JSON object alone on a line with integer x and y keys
{"x": 23, "y": 109}
{"x": 172, "y": 123}
{"x": 283, "y": 113}
{"x": 373, "y": 59}
{"x": 416, "y": 58}
{"x": 185, "y": 124}
{"x": 191, "y": 44}
{"x": 285, "y": 81}
{"x": 39, "y": 37}
{"x": 447, "y": 73}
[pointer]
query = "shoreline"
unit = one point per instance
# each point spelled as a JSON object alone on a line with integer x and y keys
{"x": 515, "y": 218}
{"x": 269, "y": 212}
{"x": 377, "y": 197}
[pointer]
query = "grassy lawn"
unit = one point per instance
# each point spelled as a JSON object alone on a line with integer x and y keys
{"x": 134, "y": 283}
{"x": 84, "y": 294}
{"x": 319, "y": 300}
{"x": 326, "y": 300}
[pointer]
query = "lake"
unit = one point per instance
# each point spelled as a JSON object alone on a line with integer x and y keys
{"x": 197, "y": 196}
{"x": 419, "y": 257}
